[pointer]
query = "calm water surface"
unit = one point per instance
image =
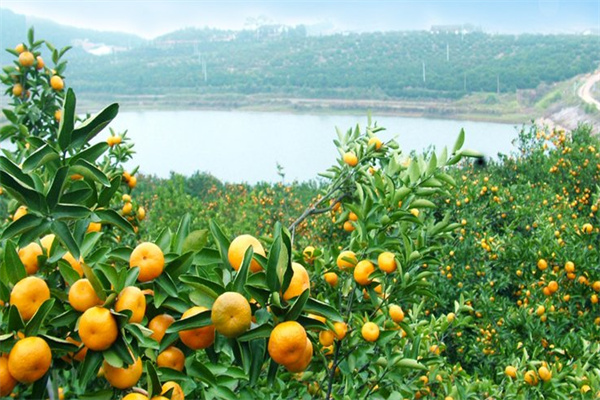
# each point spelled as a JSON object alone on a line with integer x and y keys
{"x": 240, "y": 146}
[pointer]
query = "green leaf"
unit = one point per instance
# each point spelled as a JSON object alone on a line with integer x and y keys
{"x": 58, "y": 344}
{"x": 15, "y": 171}
{"x": 91, "y": 154}
{"x": 67, "y": 120}
{"x": 15, "y": 322}
{"x": 62, "y": 232}
{"x": 113, "y": 218}
{"x": 260, "y": 332}
{"x": 106, "y": 394}
{"x": 23, "y": 224}
{"x": 298, "y": 306}
{"x": 460, "y": 140}
{"x": 89, "y": 367}
{"x": 70, "y": 212}
{"x": 410, "y": 363}
{"x": 24, "y": 195}
{"x": 179, "y": 265}
{"x": 12, "y": 269}
{"x": 154, "y": 387}
{"x": 195, "y": 321}
{"x": 221, "y": 240}
{"x": 470, "y": 153}
{"x": 422, "y": 203}
{"x": 198, "y": 370}
{"x": 33, "y": 326}
{"x": 89, "y": 171}
{"x": 182, "y": 232}
{"x": 277, "y": 256}
{"x": 241, "y": 275}
{"x": 92, "y": 126}
{"x": 322, "y": 309}
{"x": 91, "y": 276}
{"x": 56, "y": 188}
{"x": 41, "y": 156}
{"x": 195, "y": 241}
{"x": 107, "y": 193}
{"x": 68, "y": 273}
{"x": 214, "y": 288}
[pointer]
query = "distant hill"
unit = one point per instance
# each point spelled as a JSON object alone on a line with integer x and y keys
{"x": 281, "y": 61}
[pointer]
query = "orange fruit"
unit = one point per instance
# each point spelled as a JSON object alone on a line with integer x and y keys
{"x": 29, "y": 359}
{"x": 596, "y": 286}
{"x": 40, "y": 62}
{"x": 76, "y": 265}
{"x": 238, "y": 248}
{"x": 531, "y": 378}
{"x": 132, "y": 182}
{"x": 231, "y": 314}
{"x": 171, "y": 357}
{"x": 28, "y": 295}
{"x": 198, "y": 338}
{"x": 350, "y": 158}
{"x": 80, "y": 355}
{"x": 346, "y": 260}
{"x": 331, "y": 278}
{"x": 348, "y": 227}
{"x": 7, "y": 382}
{"x": 326, "y": 338}
{"x": 141, "y": 213}
{"x": 308, "y": 254}
{"x": 123, "y": 378}
{"x": 587, "y": 228}
{"x": 396, "y": 313}
{"x": 98, "y": 328}
{"x": 127, "y": 208}
{"x": 542, "y": 264}
{"x": 57, "y": 83}
{"x": 553, "y": 286}
{"x": 544, "y": 373}
{"x": 22, "y": 210}
{"x": 287, "y": 343}
{"x": 362, "y": 271}
{"x": 94, "y": 227}
{"x": 570, "y": 267}
{"x": 17, "y": 90}
{"x": 370, "y": 332}
{"x": 26, "y": 59}
{"x": 29, "y": 257}
{"x": 150, "y": 260}
{"x": 20, "y": 48}
{"x": 387, "y": 262}
{"x": 135, "y": 396}
{"x": 299, "y": 283}
{"x": 304, "y": 359}
{"x": 510, "y": 371}
{"x": 376, "y": 142}
{"x": 352, "y": 217}
{"x": 83, "y": 296}
{"x": 341, "y": 329}
{"x": 159, "y": 324}
{"x": 132, "y": 298}
{"x": 47, "y": 242}
{"x": 176, "y": 394}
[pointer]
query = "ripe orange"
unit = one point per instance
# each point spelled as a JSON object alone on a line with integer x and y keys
{"x": 341, "y": 329}
{"x": 127, "y": 208}
{"x": 387, "y": 262}
{"x": 198, "y": 338}
{"x": 370, "y": 332}
{"x": 28, "y": 295}
{"x": 83, "y": 296}
{"x": 346, "y": 260}
{"x": 20, "y": 48}
{"x": 135, "y": 396}
{"x": 308, "y": 254}
{"x": 132, "y": 182}
{"x": 510, "y": 371}
{"x": 141, "y": 213}
{"x": 596, "y": 286}
{"x": 544, "y": 373}
{"x": 17, "y": 90}
{"x": 29, "y": 257}
{"x": 299, "y": 283}
{"x": 171, "y": 357}
{"x": 304, "y": 359}
{"x": 123, "y": 378}
{"x": 396, "y": 313}
{"x": 176, "y": 394}
{"x": 531, "y": 378}
{"x": 29, "y": 359}
{"x": 94, "y": 227}
{"x": 238, "y": 248}
{"x": 98, "y": 328}
{"x": 326, "y": 338}
{"x": 132, "y": 298}
{"x": 159, "y": 324}
{"x": 76, "y": 265}
{"x": 553, "y": 286}
{"x": 362, "y": 271}
{"x": 150, "y": 259}
{"x": 287, "y": 343}
{"x": 7, "y": 382}
{"x": 375, "y": 141}
{"x": 57, "y": 83}
{"x": 350, "y": 159}
{"x": 26, "y": 59}
{"x": 331, "y": 278}
{"x": 231, "y": 314}
{"x": 570, "y": 267}
{"x": 47, "y": 242}
{"x": 22, "y": 210}
{"x": 542, "y": 264}
{"x": 348, "y": 227}
{"x": 352, "y": 217}
{"x": 40, "y": 62}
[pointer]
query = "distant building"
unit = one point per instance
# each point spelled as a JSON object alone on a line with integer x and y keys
{"x": 455, "y": 29}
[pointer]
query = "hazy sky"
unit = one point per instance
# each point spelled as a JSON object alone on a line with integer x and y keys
{"x": 151, "y": 18}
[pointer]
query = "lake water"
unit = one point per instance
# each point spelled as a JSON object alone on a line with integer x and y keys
{"x": 238, "y": 146}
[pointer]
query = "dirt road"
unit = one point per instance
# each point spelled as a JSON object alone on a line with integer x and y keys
{"x": 584, "y": 91}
